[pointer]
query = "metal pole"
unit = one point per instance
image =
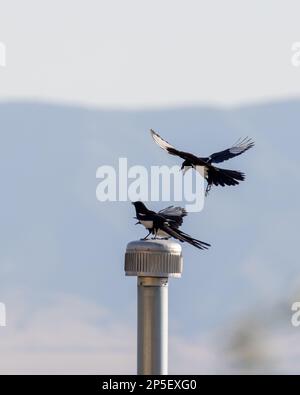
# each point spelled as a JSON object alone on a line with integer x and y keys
{"x": 152, "y": 354}
{"x": 153, "y": 262}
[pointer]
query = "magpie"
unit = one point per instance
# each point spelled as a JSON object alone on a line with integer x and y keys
{"x": 213, "y": 175}
{"x": 165, "y": 224}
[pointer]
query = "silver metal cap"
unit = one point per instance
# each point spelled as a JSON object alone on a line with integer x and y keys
{"x": 153, "y": 258}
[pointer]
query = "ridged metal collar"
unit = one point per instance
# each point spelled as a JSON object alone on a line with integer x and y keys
{"x": 153, "y": 258}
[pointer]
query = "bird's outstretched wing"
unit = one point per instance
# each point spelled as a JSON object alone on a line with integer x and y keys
{"x": 174, "y": 214}
{"x": 163, "y": 143}
{"x": 183, "y": 237}
{"x": 173, "y": 151}
{"x": 238, "y": 148}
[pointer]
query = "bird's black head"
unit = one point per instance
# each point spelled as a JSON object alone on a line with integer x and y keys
{"x": 140, "y": 208}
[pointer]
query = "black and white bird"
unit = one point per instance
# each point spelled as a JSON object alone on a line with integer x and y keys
{"x": 213, "y": 175}
{"x": 165, "y": 224}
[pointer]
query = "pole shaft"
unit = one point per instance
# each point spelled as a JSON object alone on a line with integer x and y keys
{"x": 152, "y": 358}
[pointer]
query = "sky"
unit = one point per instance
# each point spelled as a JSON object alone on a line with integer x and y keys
{"x": 112, "y": 53}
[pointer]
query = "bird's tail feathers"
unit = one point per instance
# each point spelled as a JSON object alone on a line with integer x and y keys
{"x": 183, "y": 237}
{"x": 217, "y": 176}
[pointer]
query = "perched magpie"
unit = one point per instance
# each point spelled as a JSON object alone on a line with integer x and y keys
{"x": 213, "y": 175}
{"x": 165, "y": 224}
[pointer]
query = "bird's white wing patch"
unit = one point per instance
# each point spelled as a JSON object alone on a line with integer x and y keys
{"x": 236, "y": 150}
{"x": 160, "y": 141}
{"x": 241, "y": 146}
{"x": 174, "y": 211}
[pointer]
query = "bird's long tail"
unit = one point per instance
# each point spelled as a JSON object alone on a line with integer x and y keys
{"x": 217, "y": 176}
{"x": 183, "y": 237}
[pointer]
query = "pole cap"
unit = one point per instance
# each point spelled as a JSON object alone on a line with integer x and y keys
{"x": 153, "y": 258}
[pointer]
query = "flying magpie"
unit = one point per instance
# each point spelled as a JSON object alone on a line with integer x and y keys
{"x": 165, "y": 224}
{"x": 213, "y": 175}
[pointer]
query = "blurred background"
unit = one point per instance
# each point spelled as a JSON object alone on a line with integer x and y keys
{"x": 81, "y": 84}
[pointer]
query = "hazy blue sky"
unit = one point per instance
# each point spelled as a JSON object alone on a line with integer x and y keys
{"x": 136, "y": 52}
